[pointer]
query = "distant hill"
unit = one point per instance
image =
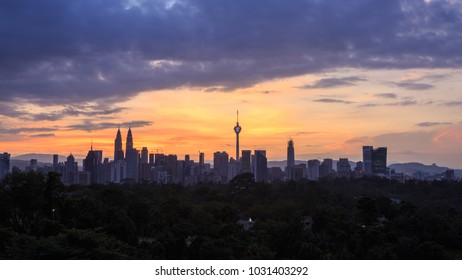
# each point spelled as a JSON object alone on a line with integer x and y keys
{"x": 413, "y": 167}
{"x": 45, "y": 158}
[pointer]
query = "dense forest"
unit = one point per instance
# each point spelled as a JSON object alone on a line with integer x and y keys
{"x": 367, "y": 218}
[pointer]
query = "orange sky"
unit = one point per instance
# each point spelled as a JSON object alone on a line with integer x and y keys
{"x": 332, "y": 121}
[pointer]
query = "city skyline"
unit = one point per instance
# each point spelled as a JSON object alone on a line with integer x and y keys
{"x": 333, "y": 76}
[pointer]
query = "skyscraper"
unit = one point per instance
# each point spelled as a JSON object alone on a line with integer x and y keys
{"x": 71, "y": 170}
{"x": 144, "y": 155}
{"x": 132, "y": 158}
{"x": 55, "y": 161}
{"x": 374, "y": 160}
{"x": 367, "y": 159}
{"x": 129, "y": 143}
{"x": 290, "y": 153}
{"x": 325, "y": 169}
{"x": 220, "y": 166}
{"x": 237, "y": 129}
{"x": 118, "y": 151}
{"x": 379, "y": 161}
{"x": 260, "y": 165}
{"x": 4, "y": 165}
{"x": 245, "y": 161}
{"x": 92, "y": 164}
{"x": 343, "y": 168}
{"x": 313, "y": 169}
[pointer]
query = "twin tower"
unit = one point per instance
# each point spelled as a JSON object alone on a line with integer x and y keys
{"x": 118, "y": 151}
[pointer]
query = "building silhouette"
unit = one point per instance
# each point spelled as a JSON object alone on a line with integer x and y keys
{"x": 132, "y": 159}
{"x": 313, "y": 169}
{"x": 71, "y": 170}
{"x": 4, "y": 165}
{"x": 379, "y": 161}
{"x": 343, "y": 168}
{"x": 246, "y": 161}
{"x": 118, "y": 151}
{"x": 325, "y": 169}
{"x": 92, "y": 164}
{"x": 375, "y": 160}
{"x": 220, "y": 166}
{"x": 367, "y": 159}
{"x": 260, "y": 164}
{"x": 290, "y": 153}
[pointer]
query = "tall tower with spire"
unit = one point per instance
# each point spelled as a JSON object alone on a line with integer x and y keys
{"x": 118, "y": 152}
{"x": 129, "y": 143}
{"x": 237, "y": 129}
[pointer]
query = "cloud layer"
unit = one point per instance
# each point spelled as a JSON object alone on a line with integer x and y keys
{"x": 60, "y": 52}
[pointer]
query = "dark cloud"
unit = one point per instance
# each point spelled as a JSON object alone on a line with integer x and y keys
{"x": 21, "y": 130}
{"x": 430, "y": 124}
{"x": 42, "y": 135}
{"x": 332, "y": 100}
{"x": 386, "y": 95}
{"x": 58, "y": 52}
{"x": 407, "y": 102}
{"x": 13, "y": 111}
{"x": 452, "y": 103}
{"x": 410, "y": 85}
{"x": 333, "y": 82}
{"x": 403, "y": 102}
{"x": 89, "y": 125}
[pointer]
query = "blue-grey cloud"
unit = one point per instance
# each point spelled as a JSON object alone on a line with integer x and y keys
{"x": 89, "y": 125}
{"x": 386, "y": 95}
{"x": 334, "y": 82}
{"x": 56, "y": 52}
{"x": 14, "y": 111}
{"x": 403, "y": 102}
{"x": 332, "y": 100}
{"x": 452, "y": 103}
{"x": 430, "y": 124}
{"x": 42, "y": 135}
{"x": 411, "y": 85}
{"x": 22, "y": 130}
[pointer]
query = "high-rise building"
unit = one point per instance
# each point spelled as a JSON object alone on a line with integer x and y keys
{"x": 367, "y": 159}
{"x": 290, "y": 153}
{"x": 374, "y": 160}
{"x": 71, "y": 170}
{"x": 313, "y": 169}
{"x": 132, "y": 158}
{"x": 201, "y": 158}
{"x": 297, "y": 172}
{"x": 237, "y": 129}
{"x": 379, "y": 161}
{"x": 144, "y": 155}
{"x": 325, "y": 169}
{"x": 33, "y": 165}
{"x": 92, "y": 164}
{"x": 220, "y": 166}
{"x": 343, "y": 168}
{"x": 260, "y": 166}
{"x": 118, "y": 151}
{"x": 129, "y": 143}
{"x": 245, "y": 161}
{"x": 55, "y": 161}
{"x": 4, "y": 165}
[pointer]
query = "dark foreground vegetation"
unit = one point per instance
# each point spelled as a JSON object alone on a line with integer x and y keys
{"x": 369, "y": 218}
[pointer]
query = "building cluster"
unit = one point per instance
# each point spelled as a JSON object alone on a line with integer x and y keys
{"x": 133, "y": 165}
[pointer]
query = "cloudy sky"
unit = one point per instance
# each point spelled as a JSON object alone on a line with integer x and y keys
{"x": 333, "y": 75}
